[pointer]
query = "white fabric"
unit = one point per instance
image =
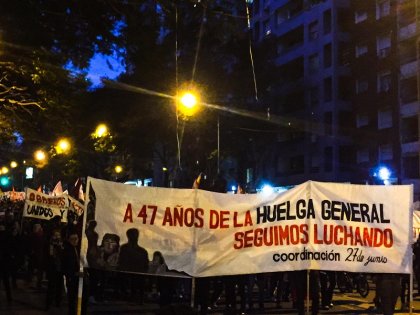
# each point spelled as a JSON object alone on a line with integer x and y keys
{"x": 219, "y": 234}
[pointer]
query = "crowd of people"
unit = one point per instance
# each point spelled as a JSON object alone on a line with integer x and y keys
{"x": 39, "y": 250}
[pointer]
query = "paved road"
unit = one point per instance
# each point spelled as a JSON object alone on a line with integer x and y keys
{"x": 30, "y": 301}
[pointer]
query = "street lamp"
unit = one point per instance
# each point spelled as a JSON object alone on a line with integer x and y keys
{"x": 63, "y": 146}
{"x": 118, "y": 169}
{"x": 40, "y": 157}
{"x": 13, "y": 164}
{"x": 100, "y": 131}
{"x": 188, "y": 101}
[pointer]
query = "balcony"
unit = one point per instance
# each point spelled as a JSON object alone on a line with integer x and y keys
{"x": 410, "y": 147}
{"x": 407, "y": 31}
{"x": 409, "y": 69}
{"x": 410, "y": 109}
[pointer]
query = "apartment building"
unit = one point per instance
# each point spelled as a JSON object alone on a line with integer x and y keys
{"x": 408, "y": 66}
{"x": 374, "y": 68}
{"x": 348, "y": 72}
{"x": 312, "y": 92}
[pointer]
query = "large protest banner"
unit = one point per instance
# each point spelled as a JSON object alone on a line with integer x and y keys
{"x": 326, "y": 226}
{"x": 44, "y": 207}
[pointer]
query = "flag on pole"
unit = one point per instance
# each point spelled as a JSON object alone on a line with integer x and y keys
{"x": 58, "y": 189}
{"x": 77, "y": 191}
{"x": 197, "y": 181}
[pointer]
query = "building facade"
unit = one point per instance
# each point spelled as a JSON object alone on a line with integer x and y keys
{"x": 312, "y": 92}
{"x": 347, "y": 88}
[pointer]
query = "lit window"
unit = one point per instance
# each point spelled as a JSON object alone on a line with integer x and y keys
{"x": 384, "y": 82}
{"x": 313, "y": 63}
{"x": 313, "y": 30}
{"x": 383, "y": 46}
{"x": 361, "y": 50}
{"x": 383, "y": 8}
{"x": 362, "y": 120}
{"x": 362, "y": 155}
{"x": 267, "y": 28}
{"x": 384, "y": 119}
{"x": 385, "y": 152}
{"x": 360, "y": 16}
{"x": 361, "y": 86}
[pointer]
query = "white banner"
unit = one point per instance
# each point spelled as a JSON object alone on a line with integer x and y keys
{"x": 45, "y": 207}
{"x": 326, "y": 226}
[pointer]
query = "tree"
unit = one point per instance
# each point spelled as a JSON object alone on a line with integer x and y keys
{"x": 38, "y": 39}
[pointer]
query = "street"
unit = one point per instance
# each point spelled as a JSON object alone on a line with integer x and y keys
{"x": 30, "y": 301}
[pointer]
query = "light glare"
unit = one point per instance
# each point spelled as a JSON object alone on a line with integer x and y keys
{"x": 118, "y": 169}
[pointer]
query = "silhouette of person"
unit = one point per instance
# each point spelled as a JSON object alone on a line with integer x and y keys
{"x": 70, "y": 267}
{"x": 134, "y": 258}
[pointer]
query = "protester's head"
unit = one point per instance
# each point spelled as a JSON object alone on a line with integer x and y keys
{"x": 73, "y": 239}
{"x": 37, "y": 228}
{"x": 158, "y": 258}
{"x": 56, "y": 237}
{"x": 56, "y": 220}
{"x": 110, "y": 243}
{"x": 133, "y": 235}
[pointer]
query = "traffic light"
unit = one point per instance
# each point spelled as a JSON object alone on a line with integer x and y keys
{"x": 4, "y": 181}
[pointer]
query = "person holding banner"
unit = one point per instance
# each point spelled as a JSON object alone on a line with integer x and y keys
{"x": 134, "y": 258}
{"x": 388, "y": 290}
{"x": 299, "y": 281}
{"x": 5, "y": 261}
{"x": 54, "y": 272}
{"x": 70, "y": 265}
{"x": 416, "y": 262}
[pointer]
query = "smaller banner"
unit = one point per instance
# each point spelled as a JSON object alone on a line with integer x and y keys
{"x": 45, "y": 207}
{"x": 76, "y": 209}
{"x": 14, "y": 195}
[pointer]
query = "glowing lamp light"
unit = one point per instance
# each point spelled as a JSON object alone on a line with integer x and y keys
{"x": 63, "y": 146}
{"x": 118, "y": 169}
{"x": 384, "y": 173}
{"x": 101, "y": 131}
{"x": 13, "y": 164}
{"x": 4, "y": 170}
{"x": 188, "y": 103}
{"x": 4, "y": 181}
{"x": 189, "y": 100}
{"x": 40, "y": 155}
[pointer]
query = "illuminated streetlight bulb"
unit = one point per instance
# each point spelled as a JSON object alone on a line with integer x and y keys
{"x": 4, "y": 170}
{"x": 118, "y": 169}
{"x": 63, "y": 146}
{"x": 188, "y": 103}
{"x": 101, "y": 131}
{"x": 189, "y": 100}
{"x": 40, "y": 155}
{"x": 13, "y": 164}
